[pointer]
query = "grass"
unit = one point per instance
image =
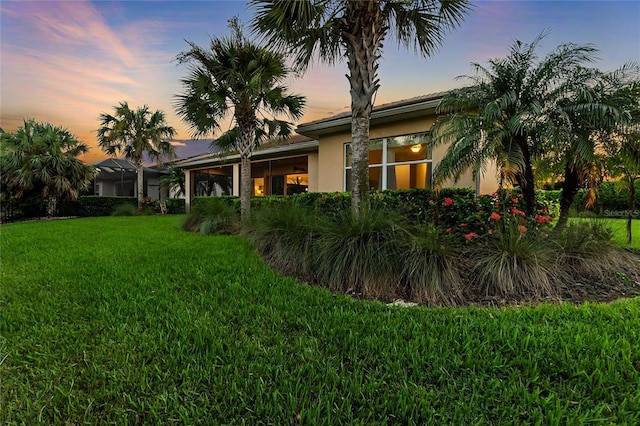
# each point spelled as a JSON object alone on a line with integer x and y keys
{"x": 130, "y": 320}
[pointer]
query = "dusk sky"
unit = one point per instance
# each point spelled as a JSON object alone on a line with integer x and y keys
{"x": 66, "y": 62}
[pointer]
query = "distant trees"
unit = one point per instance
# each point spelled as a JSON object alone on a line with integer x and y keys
{"x": 237, "y": 77}
{"x": 136, "y": 133}
{"x": 40, "y": 161}
{"x": 355, "y": 30}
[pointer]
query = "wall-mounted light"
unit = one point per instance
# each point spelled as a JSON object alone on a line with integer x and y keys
{"x": 416, "y": 148}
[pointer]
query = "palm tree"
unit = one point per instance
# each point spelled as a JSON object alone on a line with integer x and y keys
{"x": 174, "y": 181}
{"x": 511, "y": 111}
{"x": 40, "y": 160}
{"x": 136, "y": 133}
{"x": 238, "y": 77}
{"x": 355, "y": 30}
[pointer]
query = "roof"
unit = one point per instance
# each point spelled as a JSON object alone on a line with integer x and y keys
{"x": 408, "y": 108}
{"x": 292, "y": 145}
{"x": 112, "y": 165}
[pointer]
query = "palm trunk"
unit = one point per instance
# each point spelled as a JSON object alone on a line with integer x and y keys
{"x": 632, "y": 207}
{"x": 363, "y": 33}
{"x": 246, "y": 140}
{"x": 569, "y": 190}
{"x": 526, "y": 179}
{"x": 245, "y": 187}
{"x": 140, "y": 176}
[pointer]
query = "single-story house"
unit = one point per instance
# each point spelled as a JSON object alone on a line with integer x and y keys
{"x": 118, "y": 178}
{"x": 318, "y": 158}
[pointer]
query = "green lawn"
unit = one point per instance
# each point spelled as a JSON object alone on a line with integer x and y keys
{"x": 130, "y": 320}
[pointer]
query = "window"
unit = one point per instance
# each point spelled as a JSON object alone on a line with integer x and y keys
{"x": 401, "y": 162}
{"x": 212, "y": 182}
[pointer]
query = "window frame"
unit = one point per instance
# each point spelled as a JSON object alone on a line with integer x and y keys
{"x": 385, "y": 164}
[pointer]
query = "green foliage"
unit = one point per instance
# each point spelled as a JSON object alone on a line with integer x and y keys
{"x": 175, "y": 205}
{"x": 116, "y": 329}
{"x": 93, "y": 205}
{"x": 243, "y": 79}
{"x": 40, "y": 161}
{"x": 212, "y": 215}
{"x": 612, "y": 200}
{"x": 125, "y": 209}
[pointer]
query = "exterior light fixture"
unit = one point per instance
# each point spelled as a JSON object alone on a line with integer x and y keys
{"x": 416, "y": 148}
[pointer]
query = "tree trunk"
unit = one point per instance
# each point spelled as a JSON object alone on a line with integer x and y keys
{"x": 570, "y": 188}
{"x": 245, "y": 187}
{"x": 363, "y": 32}
{"x": 140, "y": 176}
{"x": 632, "y": 207}
{"x": 246, "y": 140}
{"x": 526, "y": 180}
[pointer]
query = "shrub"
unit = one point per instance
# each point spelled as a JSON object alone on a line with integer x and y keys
{"x": 588, "y": 254}
{"x": 512, "y": 262}
{"x": 175, "y": 205}
{"x": 431, "y": 272}
{"x": 284, "y": 233}
{"x": 361, "y": 254}
{"x": 125, "y": 209}
{"x": 215, "y": 216}
{"x": 93, "y": 205}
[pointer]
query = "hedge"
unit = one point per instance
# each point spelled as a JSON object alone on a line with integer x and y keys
{"x": 175, "y": 205}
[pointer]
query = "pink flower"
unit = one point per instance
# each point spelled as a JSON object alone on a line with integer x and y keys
{"x": 449, "y": 230}
{"x": 494, "y": 195}
{"x": 494, "y": 216}
{"x": 470, "y": 236}
{"x": 515, "y": 201}
{"x": 518, "y": 212}
{"x": 522, "y": 228}
{"x": 463, "y": 225}
{"x": 448, "y": 201}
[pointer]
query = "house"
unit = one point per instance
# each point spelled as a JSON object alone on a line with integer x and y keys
{"x": 118, "y": 178}
{"x": 318, "y": 158}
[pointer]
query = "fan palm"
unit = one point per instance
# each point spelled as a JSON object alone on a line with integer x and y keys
{"x": 174, "y": 181}
{"x": 240, "y": 78}
{"x": 355, "y": 30}
{"x": 136, "y": 134}
{"x": 41, "y": 160}
{"x": 510, "y": 111}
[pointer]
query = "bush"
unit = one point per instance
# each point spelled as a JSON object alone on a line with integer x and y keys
{"x": 360, "y": 254}
{"x": 611, "y": 200}
{"x": 215, "y": 216}
{"x": 431, "y": 272}
{"x": 93, "y": 205}
{"x": 124, "y": 210}
{"x": 285, "y": 234}
{"x": 175, "y": 205}
{"x": 512, "y": 262}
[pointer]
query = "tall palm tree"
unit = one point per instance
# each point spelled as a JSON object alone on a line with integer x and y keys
{"x": 240, "y": 78}
{"x": 511, "y": 110}
{"x": 355, "y": 30}
{"x": 40, "y": 160}
{"x": 136, "y": 133}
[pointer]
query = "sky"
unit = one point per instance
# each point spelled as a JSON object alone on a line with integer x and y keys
{"x": 66, "y": 62}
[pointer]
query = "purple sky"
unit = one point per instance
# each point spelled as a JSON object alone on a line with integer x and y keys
{"x": 66, "y": 62}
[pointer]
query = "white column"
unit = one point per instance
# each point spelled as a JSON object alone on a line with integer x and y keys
{"x": 236, "y": 180}
{"x": 187, "y": 190}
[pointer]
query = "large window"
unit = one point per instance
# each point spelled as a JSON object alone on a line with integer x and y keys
{"x": 212, "y": 182}
{"x": 284, "y": 176}
{"x": 400, "y": 162}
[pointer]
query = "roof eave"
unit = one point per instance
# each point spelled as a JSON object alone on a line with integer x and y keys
{"x": 216, "y": 159}
{"x": 339, "y": 124}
